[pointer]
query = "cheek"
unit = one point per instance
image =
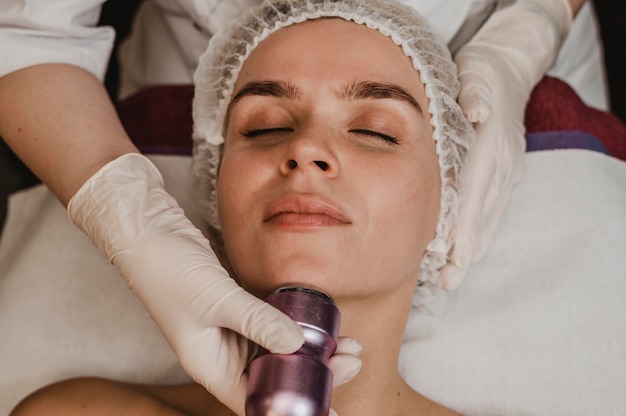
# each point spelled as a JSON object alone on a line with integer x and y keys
{"x": 426, "y": 195}
{"x": 235, "y": 188}
{"x": 240, "y": 176}
{"x": 409, "y": 208}
{"x": 232, "y": 189}
{"x": 228, "y": 181}
{"x": 408, "y": 211}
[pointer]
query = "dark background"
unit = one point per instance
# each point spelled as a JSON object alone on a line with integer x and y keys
{"x": 611, "y": 15}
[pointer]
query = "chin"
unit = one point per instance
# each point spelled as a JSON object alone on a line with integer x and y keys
{"x": 305, "y": 275}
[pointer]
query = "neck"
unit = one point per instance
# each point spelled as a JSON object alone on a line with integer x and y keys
{"x": 379, "y": 389}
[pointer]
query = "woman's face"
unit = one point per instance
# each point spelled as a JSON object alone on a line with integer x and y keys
{"x": 329, "y": 176}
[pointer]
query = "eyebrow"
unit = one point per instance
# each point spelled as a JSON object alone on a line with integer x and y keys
{"x": 377, "y": 90}
{"x": 352, "y": 91}
{"x": 270, "y": 88}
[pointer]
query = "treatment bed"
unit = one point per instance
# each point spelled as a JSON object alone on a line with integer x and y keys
{"x": 538, "y": 326}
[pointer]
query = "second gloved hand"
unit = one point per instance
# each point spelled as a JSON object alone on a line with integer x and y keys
{"x": 498, "y": 69}
{"x": 206, "y": 317}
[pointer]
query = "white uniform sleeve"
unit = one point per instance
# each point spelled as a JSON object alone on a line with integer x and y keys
{"x": 446, "y": 17}
{"x": 581, "y": 61}
{"x": 34, "y": 32}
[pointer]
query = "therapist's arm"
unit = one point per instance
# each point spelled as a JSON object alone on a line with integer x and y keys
{"x": 61, "y": 123}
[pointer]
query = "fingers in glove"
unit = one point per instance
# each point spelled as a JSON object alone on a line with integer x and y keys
{"x": 494, "y": 166}
{"x": 345, "y": 363}
{"x": 483, "y": 165}
{"x": 218, "y": 363}
{"x": 452, "y": 275}
{"x": 497, "y": 204}
{"x": 258, "y": 321}
{"x": 347, "y": 345}
{"x": 509, "y": 172}
{"x": 471, "y": 215}
{"x": 476, "y": 86}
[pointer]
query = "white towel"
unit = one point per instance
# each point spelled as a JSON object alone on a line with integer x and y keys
{"x": 538, "y": 327}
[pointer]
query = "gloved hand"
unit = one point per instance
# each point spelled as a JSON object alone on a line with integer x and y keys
{"x": 498, "y": 69}
{"x": 171, "y": 267}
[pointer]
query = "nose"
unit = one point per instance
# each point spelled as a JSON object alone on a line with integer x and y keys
{"x": 310, "y": 154}
{"x": 292, "y": 164}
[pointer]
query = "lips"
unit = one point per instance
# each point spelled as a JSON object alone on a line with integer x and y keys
{"x": 301, "y": 211}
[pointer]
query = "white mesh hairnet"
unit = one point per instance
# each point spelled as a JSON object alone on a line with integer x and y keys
{"x": 220, "y": 65}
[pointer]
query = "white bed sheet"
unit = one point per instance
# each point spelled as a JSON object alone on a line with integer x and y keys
{"x": 539, "y": 325}
{"x": 537, "y": 328}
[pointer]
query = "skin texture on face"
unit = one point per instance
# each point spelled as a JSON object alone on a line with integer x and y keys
{"x": 329, "y": 176}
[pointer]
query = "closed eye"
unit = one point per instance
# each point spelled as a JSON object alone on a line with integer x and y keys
{"x": 251, "y": 134}
{"x": 385, "y": 137}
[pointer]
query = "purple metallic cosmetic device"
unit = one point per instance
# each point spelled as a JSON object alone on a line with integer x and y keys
{"x": 297, "y": 384}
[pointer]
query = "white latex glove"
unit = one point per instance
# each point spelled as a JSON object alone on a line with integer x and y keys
{"x": 498, "y": 69}
{"x": 201, "y": 310}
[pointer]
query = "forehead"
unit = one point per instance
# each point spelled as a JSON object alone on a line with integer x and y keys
{"x": 331, "y": 50}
